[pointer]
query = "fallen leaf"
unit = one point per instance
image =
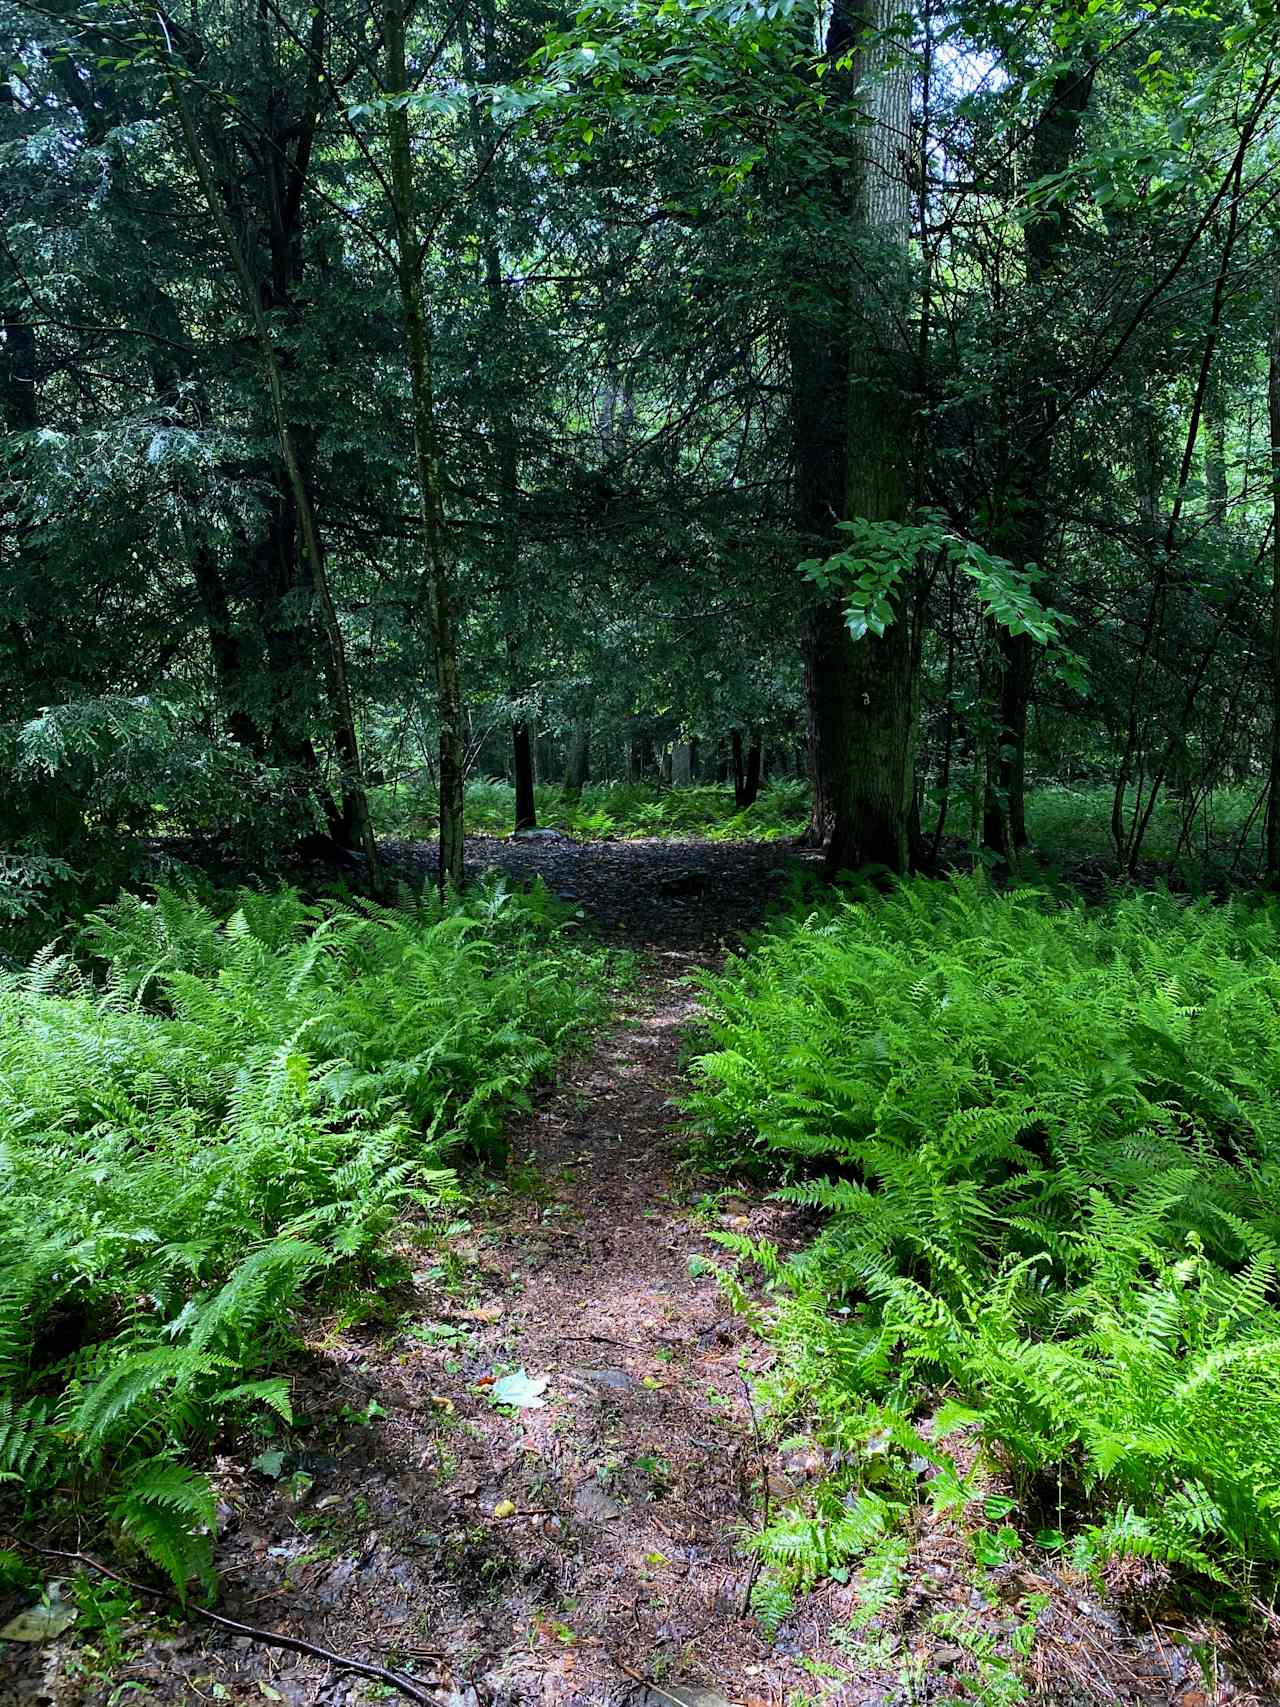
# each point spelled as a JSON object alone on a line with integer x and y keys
{"x": 520, "y": 1390}
{"x": 269, "y": 1464}
{"x": 505, "y": 1508}
{"x": 40, "y": 1623}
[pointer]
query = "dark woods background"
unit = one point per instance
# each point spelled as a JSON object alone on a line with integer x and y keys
{"x": 391, "y": 398}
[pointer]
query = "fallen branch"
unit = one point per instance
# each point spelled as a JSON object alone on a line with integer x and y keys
{"x": 764, "y": 1490}
{"x": 269, "y": 1638}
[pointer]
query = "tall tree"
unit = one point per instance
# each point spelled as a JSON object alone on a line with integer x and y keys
{"x": 438, "y": 579}
{"x": 860, "y": 691}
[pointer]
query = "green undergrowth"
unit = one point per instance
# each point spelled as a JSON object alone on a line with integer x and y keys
{"x": 1043, "y": 1143}
{"x": 616, "y": 809}
{"x": 1207, "y": 842}
{"x": 220, "y": 1127}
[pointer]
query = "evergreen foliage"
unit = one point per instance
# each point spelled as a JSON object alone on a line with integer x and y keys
{"x": 1045, "y": 1147}
{"x": 230, "y": 1122}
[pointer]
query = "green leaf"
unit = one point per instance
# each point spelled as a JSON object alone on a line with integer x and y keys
{"x": 40, "y": 1623}
{"x": 521, "y": 1391}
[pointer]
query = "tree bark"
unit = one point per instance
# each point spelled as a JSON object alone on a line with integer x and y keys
{"x": 746, "y": 777}
{"x": 522, "y": 767}
{"x": 861, "y": 698}
{"x": 578, "y": 762}
{"x": 1023, "y": 533}
{"x": 439, "y": 588}
{"x": 345, "y": 735}
{"x": 1273, "y": 415}
{"x": 501, "y": 421}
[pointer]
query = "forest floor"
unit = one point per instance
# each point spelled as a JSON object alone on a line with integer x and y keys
{"x": 584, "y": 1547}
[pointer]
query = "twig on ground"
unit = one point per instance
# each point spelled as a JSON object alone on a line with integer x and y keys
{"x": 646, "y": 1682}
{"x": 269, "y": 1638}
{"x": 764, "y": 1491}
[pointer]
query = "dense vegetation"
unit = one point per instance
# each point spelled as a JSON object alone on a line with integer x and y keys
{"x": 1044, "y": 1141}
{"x": 707, "y": 392}
{"x": 224, "y": 1129}
{"x": 852, "y": 424}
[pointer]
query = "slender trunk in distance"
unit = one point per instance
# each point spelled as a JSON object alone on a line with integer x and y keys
{"x": 1273, "y": 413}
{"x": 439, "y": 588}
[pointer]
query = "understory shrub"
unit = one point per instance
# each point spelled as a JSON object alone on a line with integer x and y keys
{"x": 616, "y": 809}
{"x": 1044, "y": 1142}
{"x": 233, "y": 1117}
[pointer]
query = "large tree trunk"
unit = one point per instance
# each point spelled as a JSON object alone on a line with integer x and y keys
{"x": 439, "y": 588}
{"x": 860, "y": 694}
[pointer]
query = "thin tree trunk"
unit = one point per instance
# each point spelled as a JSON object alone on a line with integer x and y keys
{"x": 439, "y": 587}
{"x": 345, "y": 736}
{"x": 1027, "y": 522}
{"x": 504, "y": 435}
{"x": 1273, "y": 412}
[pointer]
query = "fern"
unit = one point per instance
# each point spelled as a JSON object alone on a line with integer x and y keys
{"x": 168, "y": 1512}
{"x": 1045, "y": 1145}
{"x": 229, "y": 1123}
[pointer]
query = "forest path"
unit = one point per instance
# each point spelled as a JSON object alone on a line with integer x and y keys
{"x": 582, "y": 1549}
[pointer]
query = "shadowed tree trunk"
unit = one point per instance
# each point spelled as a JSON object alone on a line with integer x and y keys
{"x": 1023, "y": 533}
{"x": 255, "y": 300}
{"x": 495, "y": 349}
{"x": 577, "y": 771}
{"x": 522, "y": 765}
{"x": 746, "y": 778}
{"x": 439, "y": 580}
{"x": 855, "y": 434}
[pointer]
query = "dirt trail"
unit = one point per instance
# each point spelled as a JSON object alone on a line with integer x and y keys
{"x": 580, "y": 1549}
{"x": 585, "y": 1548}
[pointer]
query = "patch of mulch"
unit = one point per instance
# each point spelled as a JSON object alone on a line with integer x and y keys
{"x": 587, "y": 1548}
